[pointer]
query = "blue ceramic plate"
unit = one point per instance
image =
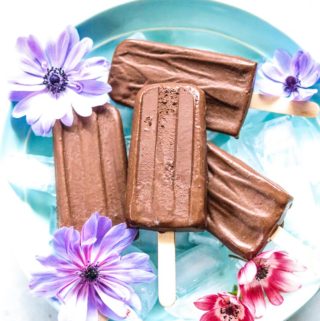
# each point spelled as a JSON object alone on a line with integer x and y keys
{"x": 196, "y": 24}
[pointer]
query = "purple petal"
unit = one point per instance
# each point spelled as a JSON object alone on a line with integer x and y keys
{"x": 19, "y": 95}
{"x": 28, "y": 80}
{"x": 300, "y": 62}
{"x": 93, "y": 87}
{"x": 51, "y": 261}
{"x": 32, "y": 52}
{"x": 31, "y": 68}
{"x": 36, "y": 50}
{"x": 117, "y": 239}
{"x": 89, "y": 230}
{"x": 271, "y": 71}
{"x": 76, "y": 307}
{"x": 311, "y": 77}
{"x": 117, "y": 307}
{"x": 268, "y": 87}
{"x": 65, "y": 242}
{"x": 67, "y": 119}
{"x": 43, "y": 126}
{"x": 303, "y": 94}
{"x": 49, "y": 284}
{"x": 31, "y": 88}
{"x": 78, "y": 51}
{"x": 65, "y": 42}
{"x": 107, "y": 312}
{"x": 104, "y": 225}
{"x": 91, "y": 68}
{"x": 282, "y": 60}
{"x": 116, "y": 289}
{"x": 24, "y": 107}
{"x": 131, "y": 275}
{"x": 52, "y": 54}
{"x": 136, "y": 260}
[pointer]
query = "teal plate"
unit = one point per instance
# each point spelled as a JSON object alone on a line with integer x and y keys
{"x": 199, "y": 24}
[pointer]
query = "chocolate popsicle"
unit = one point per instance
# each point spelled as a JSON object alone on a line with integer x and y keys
{"x": 167, "y": 172}
{"x": 90, "y": 165}
{"x": 244, "y": 208}
{"x": 226, "y": 80}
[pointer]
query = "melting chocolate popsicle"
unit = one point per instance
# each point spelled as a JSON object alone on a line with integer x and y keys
{"x": 91, "y": 165}
{"x": 166, "y": 188}
{"x": 244, "y": 208}
{"x": 226, "y": 80}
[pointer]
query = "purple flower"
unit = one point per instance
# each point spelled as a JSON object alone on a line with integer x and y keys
{"x": 87, "y": 274}
{"x": 55, "y": 80}
{"x": 289, "y": 76}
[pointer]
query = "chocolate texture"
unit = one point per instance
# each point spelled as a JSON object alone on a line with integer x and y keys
{"x": 167, "y": 173}
{"x": 91, "y": 166}
{"x": 226, "y": 80}
{"x": 244, "y": 208}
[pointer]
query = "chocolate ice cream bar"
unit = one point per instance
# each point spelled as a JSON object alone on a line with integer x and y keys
{"x": 244, "y": 208}
{"x": 91, "y": 165}
{"x": 167, "y": 173}
{"x": 226, "y": 80}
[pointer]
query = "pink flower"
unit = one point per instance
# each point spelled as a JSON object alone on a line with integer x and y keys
{"x": 269, "y": 273}
{"x": 223, "y": 307}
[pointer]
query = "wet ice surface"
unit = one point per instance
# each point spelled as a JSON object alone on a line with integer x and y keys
{"x": 284, "y": 149}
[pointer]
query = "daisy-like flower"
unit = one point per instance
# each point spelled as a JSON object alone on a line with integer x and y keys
{"x": 87, "y": 274}
{"x": 223, "y": 307}
{"x": 289, "y": 76}
{"x": 269, "y": 273}
{"x": 56, "y": 80}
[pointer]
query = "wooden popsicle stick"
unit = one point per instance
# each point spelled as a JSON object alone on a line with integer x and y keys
{"x": 166, "y": 268}
{"x": 284, "y": 106}
{"x": 306, "y": 255}
{"x": 102, "y": 318}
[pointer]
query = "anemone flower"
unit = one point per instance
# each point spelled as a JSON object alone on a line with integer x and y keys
{"x": 56, "y": 81}
{"x": 269, "y": 273}
{"x": 289, "y": 76}
{"x": 223, "y": 307}
{"x": 87, "y": 274}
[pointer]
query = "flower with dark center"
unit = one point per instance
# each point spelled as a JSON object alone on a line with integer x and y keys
{"x": 90, "y": 273}
{"x": 269, "y": 273}
{"x": 289, "y": 76}
{"x": 57, "y": 81}
{"x": 291, "y": 84}
{"x": 87, "y": 273}
{"x": 223, "y": 307}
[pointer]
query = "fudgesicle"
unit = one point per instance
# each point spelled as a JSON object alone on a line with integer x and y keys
{"x": 91, "y": 166}
{"x": 167, "y": 173}
{"x": 244, "y": 208}
{"x": 226, "y": 80}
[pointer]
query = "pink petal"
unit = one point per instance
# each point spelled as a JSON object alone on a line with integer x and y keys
{"x": 273, "y": 295}
{"x": 247, "y": 273}
{"x": 253, "y": 298}
{"x": 209, "y": 316}
{"x": 284, "y": 281}
{"x": 206, "y": 303}
{"x": 282, "y": 261}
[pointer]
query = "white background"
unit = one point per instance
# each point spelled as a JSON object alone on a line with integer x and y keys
{"x": 298, "y": 19}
